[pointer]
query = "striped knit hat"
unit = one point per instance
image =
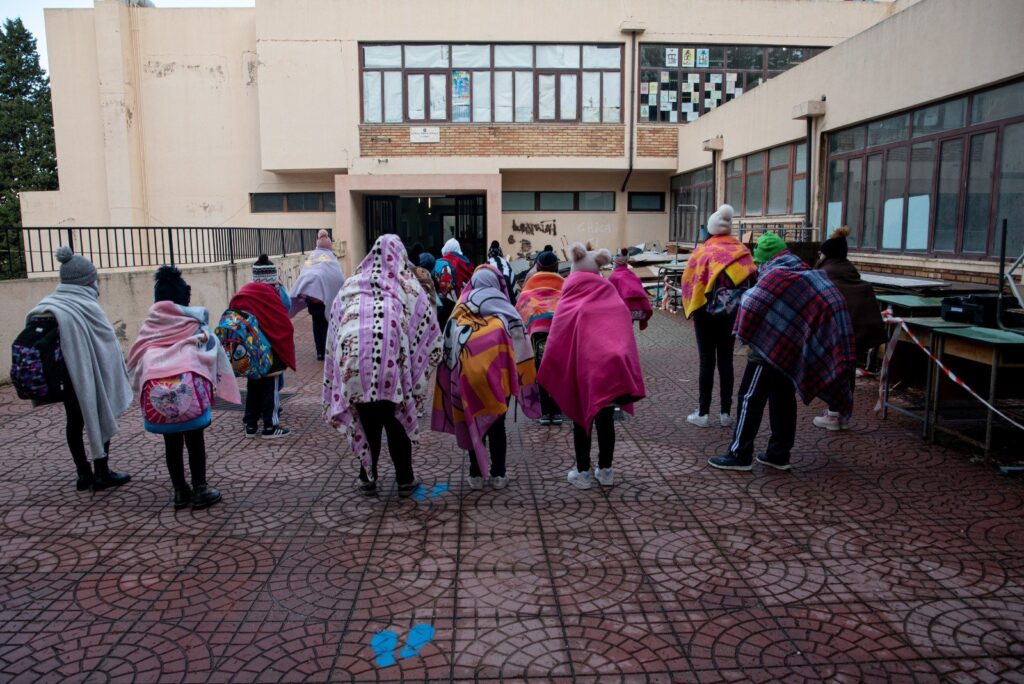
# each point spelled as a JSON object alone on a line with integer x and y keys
{"x": 264, "y": 271}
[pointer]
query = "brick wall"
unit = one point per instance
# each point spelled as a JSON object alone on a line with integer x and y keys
{"x": 482, "y": 140}
{"x": 657, "y": 141}
{"x": 935, "y": 271}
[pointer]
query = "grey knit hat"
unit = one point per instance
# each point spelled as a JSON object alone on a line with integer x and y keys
{"x": 264, "y": 271}
{"x": 74, "y": 269}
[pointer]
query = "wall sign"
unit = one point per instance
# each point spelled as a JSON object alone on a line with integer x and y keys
{"x": 424, "y": 134}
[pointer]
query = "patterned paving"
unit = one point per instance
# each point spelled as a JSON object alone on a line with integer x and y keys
{"x": 878, "y": 558}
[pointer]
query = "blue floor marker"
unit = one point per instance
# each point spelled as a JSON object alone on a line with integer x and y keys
{"x": 422, "y": 493}
{"x": 419, "y": 636}
{"x": 383, "y": 644}
{"x": 438, "y": 490}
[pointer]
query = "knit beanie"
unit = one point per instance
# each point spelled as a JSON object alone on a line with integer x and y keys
{"x": 622, "y": 258}
{"x": 591, "y": 262}
{"x": 264, "y": 271}
{"x": 720, "y": 223}
{"x": 836, "y": 246}
{"x": 171, "y": 287}
{"x": 427, "y": 261}
{"x": 767, "y": 247}
{"x": 74, "y": 269}
{"x": 323, "y": 240}
{"x": 547, "y": 261}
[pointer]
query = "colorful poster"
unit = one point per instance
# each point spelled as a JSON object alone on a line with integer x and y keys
{"x": 688, "y": 54}
{"x": 671, "y": 57}
{"x": 693, "y": 78}
{"x": 703, "y": 58}
{"x": 666, "y": 106}
{"x": 460, "y": 96}
{"x": 643, "y": 88}
{"x": 664, "y": 77}
{"x": 645, "y": 112}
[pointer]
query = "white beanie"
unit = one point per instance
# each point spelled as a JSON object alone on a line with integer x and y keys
{"x": 720, "y": 223}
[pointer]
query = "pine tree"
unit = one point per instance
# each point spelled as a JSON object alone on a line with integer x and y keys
{"x": 28, "y": 160}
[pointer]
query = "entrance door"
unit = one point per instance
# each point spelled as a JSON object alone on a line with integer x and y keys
{"x": 430, "y": 220}
{"x": 381, "y": 217}
{"x": 471, "y": 226}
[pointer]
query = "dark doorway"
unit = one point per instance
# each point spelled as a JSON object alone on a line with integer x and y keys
{"x": 430, "y": 220}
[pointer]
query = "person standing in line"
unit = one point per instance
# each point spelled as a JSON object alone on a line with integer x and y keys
{"x": 451, "y": 273}
{"x": 717, "y": 274}
{"x": 629, "y": 287}
{"x": 383, "y": 344}
{"x": 536, "y": 305}
{"x": 96, "y": 389}
{"x": 424, "y": 274}
{"x": 486, "y": 360}
{"x": 868, "y": 328}
{"x": 591, "y": 362}
{"x": 799, "y": 334}
{"x": 496, "y": 259}
{"x": 316, "y": 287}
{"x": 177, "y": 365}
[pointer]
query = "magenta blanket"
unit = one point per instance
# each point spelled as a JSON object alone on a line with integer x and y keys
{"x": 591, "y": 357}
{"x": 320, "y": 279}
{"x": 633, "y": 294}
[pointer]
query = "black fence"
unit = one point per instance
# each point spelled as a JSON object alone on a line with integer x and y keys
{"x": 31, "y": 250}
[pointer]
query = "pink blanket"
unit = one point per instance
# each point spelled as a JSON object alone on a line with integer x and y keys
{"x": 170, "y": 342}
{"x": 633, "y": 294}
{"x": 591, "y": 359}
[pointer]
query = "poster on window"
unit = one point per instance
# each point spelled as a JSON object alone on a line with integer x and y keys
{"x": 645, "y": 112}
{"x": 703, "y": 58}
{"x": 671, "y": 57}
{"x": 688, "y": 55}
{"x": 664, "y": 77}
{"x": 460, "y": 96}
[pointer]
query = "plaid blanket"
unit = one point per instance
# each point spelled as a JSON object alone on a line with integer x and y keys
{"x": 797, "y": 320}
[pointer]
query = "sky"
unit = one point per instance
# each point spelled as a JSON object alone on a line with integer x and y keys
{"x": 31, "y": 13}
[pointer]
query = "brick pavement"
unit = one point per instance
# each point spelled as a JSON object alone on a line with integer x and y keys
{"x": 878, "y": 558}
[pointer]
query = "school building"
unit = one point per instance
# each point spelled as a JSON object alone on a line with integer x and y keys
{"x": 541, "y": 122}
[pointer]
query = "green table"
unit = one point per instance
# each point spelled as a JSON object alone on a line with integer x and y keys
{"x": 911, "y": 305}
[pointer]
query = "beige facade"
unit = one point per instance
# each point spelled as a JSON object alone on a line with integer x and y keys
{"x": 174, "y": 117}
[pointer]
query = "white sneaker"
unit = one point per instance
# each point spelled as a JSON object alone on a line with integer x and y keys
{"x": 697, "y": 419}
{"x": 831, "y": 421}
{"x": 499, "y": 482}
{"x": 475, "y": 482}
{"x": 726, "y": 420}
{"x": 605, "y": 476}
{"x": 578, "y": 479}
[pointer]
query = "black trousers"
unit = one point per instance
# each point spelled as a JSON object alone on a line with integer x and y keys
{"x": 444, "y": 312}
{"x": 548, "y": 406}
{"x": 174, "y": 445}
{"x": 762, "y": 385}
{"x": 715, "y": 344}
{"x": 378, "y": 416}
{"x": 604, "y": 423}
{"x": 497, "y": 445}
{"x": 75, "y": 425}
{"x": 262, "y": 400}
{"x": 318, "y": 312}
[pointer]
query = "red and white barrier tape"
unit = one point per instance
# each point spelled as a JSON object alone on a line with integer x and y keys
{"x": 898, "y": 326}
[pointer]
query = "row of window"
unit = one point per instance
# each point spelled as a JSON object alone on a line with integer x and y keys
{"x": 768, "y": 183}
{"x": 938, "y": 179}
{"x": 485, "y": 83}
{"x": 265, "y": 202}
{"x": 580, "y": 201}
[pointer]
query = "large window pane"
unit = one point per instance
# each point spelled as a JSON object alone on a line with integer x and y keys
{"x": 471, "y": 56}
{"x": 895, "y": 187}
{"x": 799, "y": 196}
{"x": 978, "y": 213}
{"x": 329, "y": 202}
{"x": 556, "y": 201}
{"x": 854, "y": 187}
{"x": 372, "y": 109}
{"x": 567, "y": 97}
{"x": 778, "y": 156}
{"x": 948, "y": 201}
{"x": 611, "y": 102}
{"x": 755, "y": 162}
{"x": 591, "y": 97}
{"x": 922, "y": 168}
{"x": 558, "y": 56}
{"x": 1011, "y": 190}
{"x": 888, "y": 130}
{"x": 778, "y": 188}
{"x": 461, "y": 102}
{"x": 745, "y": 58}
{"x": 597, "y": 201}
{"x": 481, "y": 96}
{"x": 595, "y": 57}
{"x": 517, "y": 201}
{"x": 836, "y": 186}
{"x": 546, "y": 97}
{"x": 755, "y": 188}
{"x": 524, "y": 96}
{"x": 801, "y": 158}
{"x": 267, "y": 201}
{"x": 872, "y": 201}
{"x": 304, "y": 201}
{"x": 652, "y": 55}
{"x": 417, "y": 97}
{"x": 503, "y": 96}
{"x": 846, "y": 141}
{"x": 438, "y": 96}
{"x": 513, "y": 55}
{"x": 426, "y": 56}
{"x": 734, "y": 193}
{"x": 382, "y": 56}
{"x": 999, "y": 103}
{"x": 940, "y": 117}
{"x": 393, "y": 96}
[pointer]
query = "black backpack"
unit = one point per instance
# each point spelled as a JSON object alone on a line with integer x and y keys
{"x": 37, "y": 365}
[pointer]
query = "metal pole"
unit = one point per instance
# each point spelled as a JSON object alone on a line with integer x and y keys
{"x": 170, "y": 244}
{"x": 231, "y": 245}
{"x": 71, "y": 240}
{"x": 284, "y": 250}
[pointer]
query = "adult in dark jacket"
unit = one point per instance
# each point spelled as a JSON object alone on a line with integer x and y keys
{"x": 868, "y": 329}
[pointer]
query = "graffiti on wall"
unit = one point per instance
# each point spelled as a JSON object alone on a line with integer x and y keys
{"x": 532, "y": 228}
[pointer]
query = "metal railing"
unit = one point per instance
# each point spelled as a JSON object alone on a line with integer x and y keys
{"x": 31, "y": 250}
{"x": 788, "y": 231}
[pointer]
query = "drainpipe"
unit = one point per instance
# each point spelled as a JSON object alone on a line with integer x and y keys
{"x": 809, "y": 111}
{"x": 633, "y": 28}
{"x": 807, "y": 185}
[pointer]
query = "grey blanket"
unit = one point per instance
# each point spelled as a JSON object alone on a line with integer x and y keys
{"x": 93, "y": 358}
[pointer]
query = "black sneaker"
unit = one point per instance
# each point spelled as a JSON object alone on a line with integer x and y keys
{"x": 252, "y": 430}
{"x": 776, "y": 463}
{"x": 730, "y": 462}
{"x": 182, "y": 498}
{"x": 406, "y": 490}
{"x": 275, "y": 432}
{"x": 367, "y": 488}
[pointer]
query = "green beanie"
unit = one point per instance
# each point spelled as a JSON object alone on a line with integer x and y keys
{"x": 767, "y": 247}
